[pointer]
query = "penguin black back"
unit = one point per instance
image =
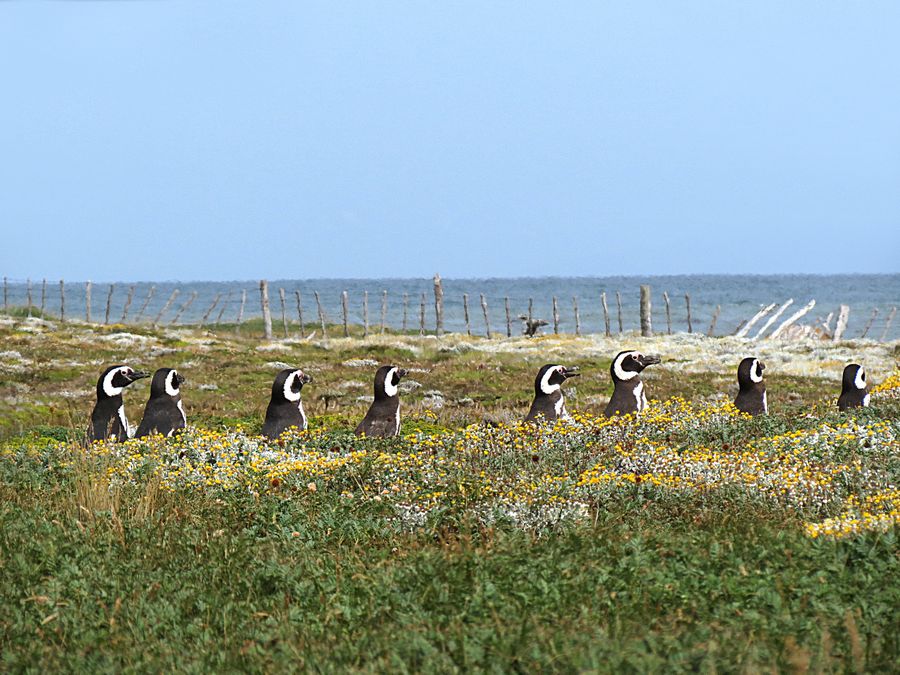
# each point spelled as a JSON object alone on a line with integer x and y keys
{"x": 628, "y": 393}
{"x": 164, "y": 412}
{"x": 549, "y": 404}
{"x": 854, "y": 389}
{"x": 285, "y": 408}
{"x": 108, "y": 416}
{"x": 383, "y": 416}
{"x": 751, "y": 397}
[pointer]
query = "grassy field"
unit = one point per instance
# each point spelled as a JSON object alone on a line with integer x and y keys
{"x": 693, "y": 538}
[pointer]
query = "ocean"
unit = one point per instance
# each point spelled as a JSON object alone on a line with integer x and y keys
{"x": 738, "y": 296}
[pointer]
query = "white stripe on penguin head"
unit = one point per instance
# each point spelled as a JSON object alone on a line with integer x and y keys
{"x": 108, "y": 387}
{"x": 755, "y": 372}
{"x": 546, "y": 387}
{"x": 390, "y": 389}
{"x": 860, "y": 380}
{"x": 619, "y": 371}
{"x": 289, "y": 393}
{"x": 171, "y": 386}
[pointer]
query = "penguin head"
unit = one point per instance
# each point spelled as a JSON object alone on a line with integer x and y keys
{"x": 750, "y": 372}
{"x": 854, "y": 378}
{"x": 166, "y": 382}
{"x": 114, "y": 379}
{"x": 551, "y": 376}
{"x": 628, "y": 364}
{"x": 387, "y": 381}
{"x": 288, "y": 384}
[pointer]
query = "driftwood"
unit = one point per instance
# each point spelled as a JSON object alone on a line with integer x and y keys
{"x": 530, "y": 327}
{"x": 741, "y": 332}
{"x": 773, "y": 318}
{"x": 792, "y": 319}
{"x": 843, "y": 316}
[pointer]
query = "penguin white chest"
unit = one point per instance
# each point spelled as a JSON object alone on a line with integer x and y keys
{"x": 765, "y": 403}
{"x": 180, "y": 406}
{"x": 639, "y": 398}
{"x": 866, "y": 400}
{"x": 303, "y": 423}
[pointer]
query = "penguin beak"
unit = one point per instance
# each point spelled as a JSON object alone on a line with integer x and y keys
{"x": 306, "y": 379}
{"x": 138, "y": 375}
{"x": 401, "y": 372}
{"x": 180, "y": 379}
{"x": 649, "y": 360}
{"x": 570, "y": 372}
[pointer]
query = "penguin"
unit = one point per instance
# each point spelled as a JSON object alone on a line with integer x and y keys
{"x": 164, "y": 412}
{"x": 549, "y": 403}
{"x": 854, "y": 391}
{"x": 285, "y": 407}
{"x": 108, "y": 419}
{"x": 628, "y": 395}
{"x": 383, "y": 418}
{"x": 751, "y": 396}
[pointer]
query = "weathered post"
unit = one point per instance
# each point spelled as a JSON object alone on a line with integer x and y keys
{"x": 5, "y": 294}
{"x": 223, "y": 308}
{"x": 87, "y": 302}
{"x": 108, "y": 303}
{"x": 743, "y": 330}
{"x": 869, "y": 325}
{"x": 687, "y": 302}
{"x": 184, "y": 307}
{"x": 887, "y": 324}
{"x": 344, "y": 311}
{"x": 646, "y": 320}
{"x": 146, "y": 302}
{"x": 487, "y": 323}
{"x": 508, "y": 319}
{"x": 165, "y": 307}
{"x": 422, "y": 315}
{"x": 43, "y": 296}
{"x": 466, "y": 313}
{"x": 605, "y": 313}
{"x": 128, "y": 300}
{"x": 712, "y": 324}
{"x": 668, "y": 314}
{"x": 210, "y": 310}
{"x": 555, "y": 317}
{"x": 405, "y": 311}
{"x": 773, "y": 318}
{"x": 530, "y": 309}
{"x": 299, "y": 311}
{"x": 240, "y": 316}
{"x": 438, "y": 305}
{"x": 619, "y": 311}
{"x": 577, "y": 316}
{"x": 365, "y": 314}
{"x": 794, "y": 317}
{"x": 383, "y": 310}
{"x": 28, "y": 294}
{"x": 321, "y": 314}
{"x": 62, "y": 301}
{"x": 264, "y": 301}
{"x": 841, "y": 326}
{"x": 283, "y": 311}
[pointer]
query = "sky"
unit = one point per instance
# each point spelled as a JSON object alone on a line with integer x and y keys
{"x": 166, "y": 139}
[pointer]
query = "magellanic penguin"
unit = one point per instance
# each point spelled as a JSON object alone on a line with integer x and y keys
{"x": 628, "y": 395}
{"x": 108, "y": 419}
{"x": 549, "y": 403}
{"x": 854, "y": 390}
{"x": 751, "y": 398}
{"x": 285, "y": 407}
{"x": 164, "y": 413}
{"x": 383, "y": 417}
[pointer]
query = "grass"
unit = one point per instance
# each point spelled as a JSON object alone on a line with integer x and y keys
{"x": 691, "y": 539}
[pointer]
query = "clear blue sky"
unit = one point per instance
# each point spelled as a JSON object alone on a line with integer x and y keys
{"x": 150, "y": 140}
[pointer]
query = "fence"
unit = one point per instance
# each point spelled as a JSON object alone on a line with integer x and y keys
{"x": 408, "y": 307}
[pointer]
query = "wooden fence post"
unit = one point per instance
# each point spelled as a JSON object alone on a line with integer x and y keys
{"x": 487, "y": 323}
{"x": 438, "y": 305}
{"x": 223, "y": 308}
{"x": 62, "y": 301}
{"x": 283, "y": 311}
{"x": 87, "y": 302}
{"x": 345, "y": 301}
{"x": 28, "y": 294}
{"x": 210, "y": 310}
{"x": 687, "y": 302}
{"x": 264, "y": 301}
{"x": 577, "y": 316}
{"x": 108, "y": 303}
{"x": 646, "y": 318}
{"x": 146, "y": 302}
{"x": 619, "y": 308}
{"x": 869, "y": 325}
{"x": 183, "y": 308}
{"x": 43, "y": 296}
{"x": 555, "y": 316}
{"x": 712, "y": 324}
{"x": 773, "y": 318}
{"x": 508, "y": 319}
{"x": 466, "y": 313}
{"x": 605, "y": 313}
{"x": 299, "y": 312}
{"x": 383, "y": 310}
{"x": 127, "y": 303}
{"x": 5, "y": 294}
{"x": 841, "y": 325}
{"x": 365, "y": 314}
{"x": 530, "y": 309}
{"x": 321, "y": 314}
{"x": 887, "y": 324}
{"x": 668, "y": 314}
{"x": 422, "y": 315}
{"x": 165, "y": 307}
{"x": 240, "y": 316}
{"x": 405, "y": 310}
